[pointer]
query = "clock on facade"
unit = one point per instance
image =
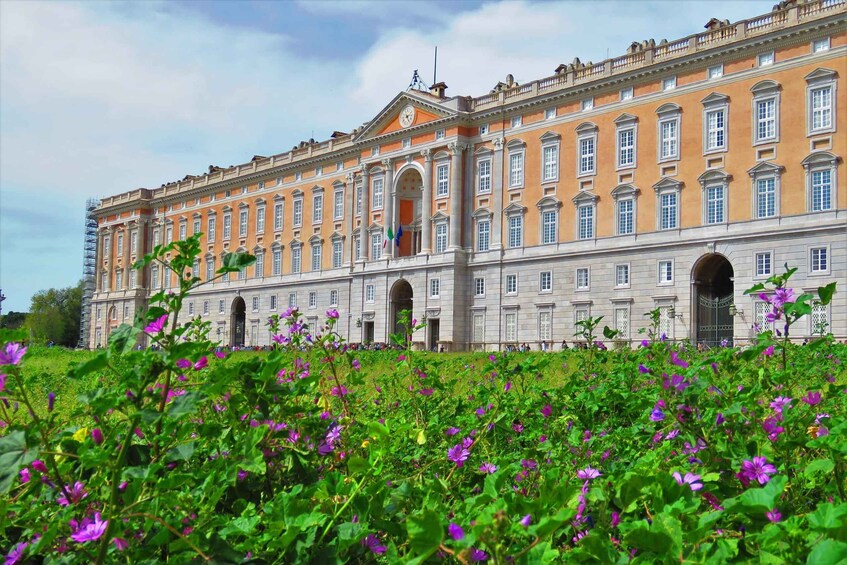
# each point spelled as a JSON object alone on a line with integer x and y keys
{"x": 407, "y": 116}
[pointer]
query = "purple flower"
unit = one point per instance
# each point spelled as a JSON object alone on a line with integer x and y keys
{"x": 812, "y": 399}
{"x": 156, "y": 326}
{"x": 780, "y": 402}
{"x": 526, "y": 520}
{"x": 452, "y": 431}
{"x": 97, "y": 436}
{"x": 332, "y": 314}
{"x": 51, "y": 400}
{"x": 720, "y": 419}
{"x": 492, "y": 358}
{"x": 120, "y": 543}
{"x": 76, "y": 492}
{"x": 2, "y": 382}
{"x": 39, "y": 466}
{"x": 657, "y": 415}
{"x": 774, "y": 515}
{"x": 455, "y": 531}
{"x": 13, "y": 354}
{"x": 616, "y": 519}
{"x": 690, "y": 479}
{"x": 201, "y": 364}
{"x": 356, "y": 364}
{"x": 90, "y": 531}
{"x": 467, "y": 442}
{"x": 772, "y": 428}
{"x": 677, "y": 361}
{"x": 547, "y": 411}
{"x": 757, "y": 470}
{"x": 14, "y": 557}
{"x": 488, "y": 468}
{"x": 24, "y": 475}
{"x": 588, "y": 473}
{"x": 183, "y": 364}
{"x": 507, "y": 386}
{"x": 781, "y": 296}
{"x": 768, "y": 352}
{"x": 458, "y": 454}
{"x": 372, "y": 542}
{"x": 642, "y": 368}
{"x": 478, "y": 555}
{"x": 426, "y": 391}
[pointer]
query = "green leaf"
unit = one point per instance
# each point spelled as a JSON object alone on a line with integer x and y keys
{"x": 182, "y": 452}
{"x": 357, "y": 466}
{"x": 824, "y": 466}
{"x": 828, "y": 552}
{"x": 828, "y": 517}
{"x": 13, "y": 456}
{"x": 94, "y": 364}
{"x": 234, "y": 262}
{"x": 825, "y": 293}
{"x": 761, "y": 499}
{"x": 425, "y": 532}
{"x": 185, "y": 404}
{"x": 122, "y": 340}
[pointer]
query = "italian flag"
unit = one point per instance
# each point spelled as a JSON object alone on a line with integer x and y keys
{"x": 389, "y": 236}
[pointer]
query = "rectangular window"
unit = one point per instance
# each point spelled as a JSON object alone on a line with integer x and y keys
{"x": 357, "y": 248}
{"x": 820, "y": 45}
{"x": 515, "y": 231}
{"x": 227, "y": 226}
{"x": 545, "y": 281}
{"x": 358, "y": 200}
{"x": 316, "y": 257}
{"x": 763, "y": 264}
{"x": 515, "y": 170}
{"x": 260, "y": 220}
{"x": 337, "y": 254}
{"x": 819, "y": 319}
{"x": 587, "y": 104}
{"x": 483, "y": 129}
{"x": 669, "y": 139}
{"x": 483, "y": 235}
{"x": 716, "y": 130}
{"x": 517, "y": 121}
{"x": 210, "y": 268}
{"x": 407, "y": 142}
{"x": 278, "y": 207}
{"x": 156, "y": 240}
{"x": 667, "y": 214}
{"x": 765, "y": 198}
{"x": 374, "y": 151}
{"x": 169, "y": 235}
{"x": 441, "y": 238}
{"x": 132, "y": 278}
{"x": 665, "y": 272}
{"x": 626, "y": 147}
{"x": 479, "y": 286}
{"x": 627, "y": 93}
{"x": 434, "y": 288}
{"x": 339, "y": 165}
{"x": 586, "y": 222}
{"x": 273, "y": 302}
{"x": 242, "y": 273}
{"x": 551, "y": 162}
{"x": 586, "y": 155}
{"x": 317, "y": 208}
{"x": 766, "y": 119}
{"x": 119, "y": 280}
{"x": 313, "y": 299}
{"x": 277, "y": 262}
{"x": 298, "y": 212}
{"x": 154, "y": 276}
{"x": 292, "y": 299}
{"x": 242, "y": 223}
{"x": 669, "y": 83}
{"x": 376, "y": 246}
{"x": 259, "y": 266}
{"x": 190, "y": 308}
{"x": 766, "y": 59}
{"x": 582, "y": 280}
{"x": 622, "y": 322}
{"x": 549, "y": 113}
{"x": 440, "y": 134}
{"x": 120, "y": 245}
{"x": 762, "y": 309}
{"x": 442, "y": 180}
{"x": 545, "y": 325}
{"x": 715, "y": 72}
{"x": 821, "y": 108}
{"x": 626, "y": 225}
{"x": 548, "y": 227}
{"x": 221, "y": 306}
{"x": 377, "y": 200}
{"x": 819, "y": 260}
{"x": 370, "y": 293}
{"x": 621, "y": 275}
{"x": 133, "y": 242}
{"x": 333, "y": 298}
{"x": 205, "y": 307}
{"x": 714, "y": 204}
{"x": 196, "y": 227}
{"x": 319, "y": 171}
{"x": 296, "y": 253}
{"x": 511, "y": 321}
{"x": 338, "y": 205}
{"x": 255, "y": 303}
{"x": 483, "y": 176}
{"x": 511, "y": 284}
{"x": 478, "y": 328}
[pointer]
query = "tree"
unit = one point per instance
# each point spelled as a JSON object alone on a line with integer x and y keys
{"x": 55, "y": 315}
{"x": 13, "y": 320}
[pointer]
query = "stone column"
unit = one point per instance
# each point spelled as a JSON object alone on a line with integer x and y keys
{"x": 388, "y": 201}
{"x": 468, "y": 200}
{"x": 364, "y": 244}
{"x": 456, "y": 194}
{"x": 497, "y": 192}
{"x": 426, "y": 205}
{"x": 350, "y": 212}
{"x": 98, "y": 271}
{"x": 126, "y": 267}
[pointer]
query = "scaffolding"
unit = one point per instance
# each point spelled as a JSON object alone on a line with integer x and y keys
{"x": 89, "y": 266}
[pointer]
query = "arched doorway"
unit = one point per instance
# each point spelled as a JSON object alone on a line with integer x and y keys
{"x": 713, "y": 292}
{"x": 401, "y": 299}
{"x": 409, "y": 186}
{"x": 239, "y": 315}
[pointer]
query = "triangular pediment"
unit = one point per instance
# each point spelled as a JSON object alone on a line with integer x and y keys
{"x": 425, "y": 110}
{"x": 765, "y": 168}
{"x": 514, "y": 208}
{"x": 715, "y": 98}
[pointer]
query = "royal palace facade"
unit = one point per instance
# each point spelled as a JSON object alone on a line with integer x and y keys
{"x": 674, "y": 176}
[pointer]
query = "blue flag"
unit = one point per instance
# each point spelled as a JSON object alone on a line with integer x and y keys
{"x": 399, "y": 233}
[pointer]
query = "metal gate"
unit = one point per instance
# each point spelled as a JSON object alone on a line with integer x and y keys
{"x": 714, "y": 324}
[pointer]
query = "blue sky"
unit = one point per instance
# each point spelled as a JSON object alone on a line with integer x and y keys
{"x": 99, "y": 98}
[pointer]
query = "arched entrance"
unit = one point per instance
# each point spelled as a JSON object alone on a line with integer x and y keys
{"x": 239, "y": 315}
{"x": 401, "y": 299}
{"x": 409, "y": 186}
{"x": 713, "y": 293}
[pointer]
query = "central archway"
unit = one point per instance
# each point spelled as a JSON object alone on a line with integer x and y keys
{"x": 713, "y": 293}
{"x": 401, "y": 300}
{"x": 239, "y": 315}
{"x": 409, "y": 186}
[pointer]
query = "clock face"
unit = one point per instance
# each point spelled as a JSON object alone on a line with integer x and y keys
{"x": 407, "y": 116}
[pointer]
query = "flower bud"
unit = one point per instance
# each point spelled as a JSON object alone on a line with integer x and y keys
{"x": 97, "y": 436}
{"x": 51, "y": 400}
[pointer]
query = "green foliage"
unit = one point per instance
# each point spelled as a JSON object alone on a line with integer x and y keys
{"x": 54, "y": 316}
{"x": 315, "y": 453}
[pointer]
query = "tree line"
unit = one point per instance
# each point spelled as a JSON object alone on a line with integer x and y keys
{"x": 53, "y": 317}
